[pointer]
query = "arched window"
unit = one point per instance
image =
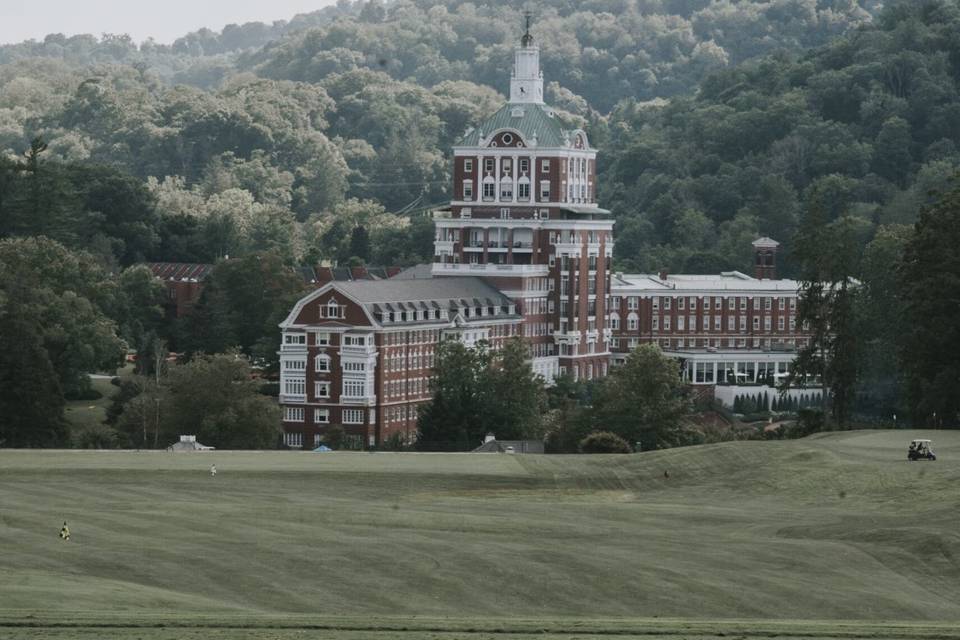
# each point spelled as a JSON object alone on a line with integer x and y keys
{"x": 615, "y": 321}
{"x": 489, "y": 188}
{"x": 321, "y": 364}
{"x": 506, "y": 189}
{"x": 333, "y": 309}
{"x": 633, "y": 322}
{"x": 523, "y": 189}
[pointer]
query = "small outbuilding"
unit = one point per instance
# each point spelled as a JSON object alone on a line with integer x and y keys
{"x": 492, "y": 445}
{"x": 189, "y": 443}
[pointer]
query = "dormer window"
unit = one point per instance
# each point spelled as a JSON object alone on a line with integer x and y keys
{"x": 334, "y": 310}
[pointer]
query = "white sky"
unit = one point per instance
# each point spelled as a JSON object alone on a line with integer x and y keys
{"x": 164, "y": 20}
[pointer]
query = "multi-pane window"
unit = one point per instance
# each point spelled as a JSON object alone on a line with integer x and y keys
{"x": 524, "y": 165}
{"x": 544, "y": 190}
{"x": 488, "y": 165}
{"x": 294, "y": 365}
{"x": 353, "y": 416}
{"x": 756, "y": 323}
{"x": 506, "y": 190}
{"x": 666, "y": 304}
{"x": 295, "y": 387}
{"x": 731, "y": 323}
{"x": 682, "y": 304}
{"x": 468, "y": 165}
{"x": 321, "y": 416}
{"x": 545, "y": 166}
{"x": 293, "y": 439}
{"x": 354, "y": 388}
{"x": 632, "y": 303}
{"x": 666, "y": 323}
{"x": 756, "y": 304}
{"x": 323, "y": 339}
{"x": 767, "y": 323}
{"x": 321, "y": 364}
{"x": 768, "y": 303}
{"x": 743, "y": 323}
{"x": 692, "y": 323}
{"x": 321, "y": 389}
{"x": 296, "y": 338}
{"x": 706, "y": 323}
{"x": 782, "y": 304}
{"x": 523, "y": 191}
{"x": 656, "y": 323}
{"x": 743, "y": 304}
{"x": 489, "y": 190}
{"x": 693, "y": 304}
{"x": 780, "y": 323}
{"x": 732, "y": 303}
{"x": 468, "y": 189}
{"x": 355, "y": 366}
{"x": 633, "y": 322}
{"x": 293, "y": 414}
{"x": 681, "y": 323}
{"x": 717, "y": 323}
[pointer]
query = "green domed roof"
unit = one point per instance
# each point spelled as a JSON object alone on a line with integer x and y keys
{"x": 532, "y": 120}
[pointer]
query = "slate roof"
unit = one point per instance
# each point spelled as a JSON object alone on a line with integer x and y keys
{"x": 419, "y": 272}
{"x": 441, "y": 290}
{"x": 180, "y": 271}
{"x": 625, "y": 284}
{"x": 536, "y": 120}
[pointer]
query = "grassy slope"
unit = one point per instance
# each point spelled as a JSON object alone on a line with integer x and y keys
{"x": 833, "y": 528}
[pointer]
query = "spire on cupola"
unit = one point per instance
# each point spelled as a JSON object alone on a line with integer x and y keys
{"x": 526, "y": 82}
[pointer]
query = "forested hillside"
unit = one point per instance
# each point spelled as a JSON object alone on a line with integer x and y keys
{"x": 288, "y": 136}
{"x": 870, "y": 122}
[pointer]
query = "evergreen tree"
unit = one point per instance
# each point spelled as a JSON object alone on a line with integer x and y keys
{"x": 360, "y": 243}
{"x": 829, "y": 256}
{"x": 930, "y": 289}
{"x": 31, "y": 402}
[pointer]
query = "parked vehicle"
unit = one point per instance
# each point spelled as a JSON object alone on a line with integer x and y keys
{"x": 920, "y": 450}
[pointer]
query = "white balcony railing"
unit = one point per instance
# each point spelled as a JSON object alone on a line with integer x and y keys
{"x": 490, "y": 269}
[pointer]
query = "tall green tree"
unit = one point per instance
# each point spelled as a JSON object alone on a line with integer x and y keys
{"x": 452, "y": 420}
{"x": 829, "y": 255}
{"x": 930, "y": 290}
{"x": 242, "y": 304}
{"x": 643, "y": 400}
{"x": 513, "y": 395}
{"x": 31, "y": 401}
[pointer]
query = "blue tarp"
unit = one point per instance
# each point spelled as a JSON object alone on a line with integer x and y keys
{"x": 322, "y": 448}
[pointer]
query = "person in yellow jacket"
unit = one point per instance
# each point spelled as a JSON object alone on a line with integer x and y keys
{"x": 64, "y": 532}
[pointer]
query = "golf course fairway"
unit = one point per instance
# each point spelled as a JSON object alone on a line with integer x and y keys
{"x": 833, "y": 536}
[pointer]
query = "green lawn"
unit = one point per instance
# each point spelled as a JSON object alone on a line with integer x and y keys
{"x": 748, "y": 539}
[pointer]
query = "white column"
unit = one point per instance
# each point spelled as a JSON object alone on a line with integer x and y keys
{"x": 516, "y": 171}
{"x": 496, "y": 177}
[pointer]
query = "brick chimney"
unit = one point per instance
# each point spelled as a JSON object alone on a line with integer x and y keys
{"x": 664, "y": 274}
{"x": 765, "y": 258}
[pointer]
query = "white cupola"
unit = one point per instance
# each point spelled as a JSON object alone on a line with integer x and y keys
{"x": 526, "y": 82}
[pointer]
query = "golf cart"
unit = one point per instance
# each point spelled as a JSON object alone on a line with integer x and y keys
{"x": 920, "y": 450}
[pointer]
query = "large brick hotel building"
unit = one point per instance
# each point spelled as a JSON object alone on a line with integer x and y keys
{"x": 523, "y": 249}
